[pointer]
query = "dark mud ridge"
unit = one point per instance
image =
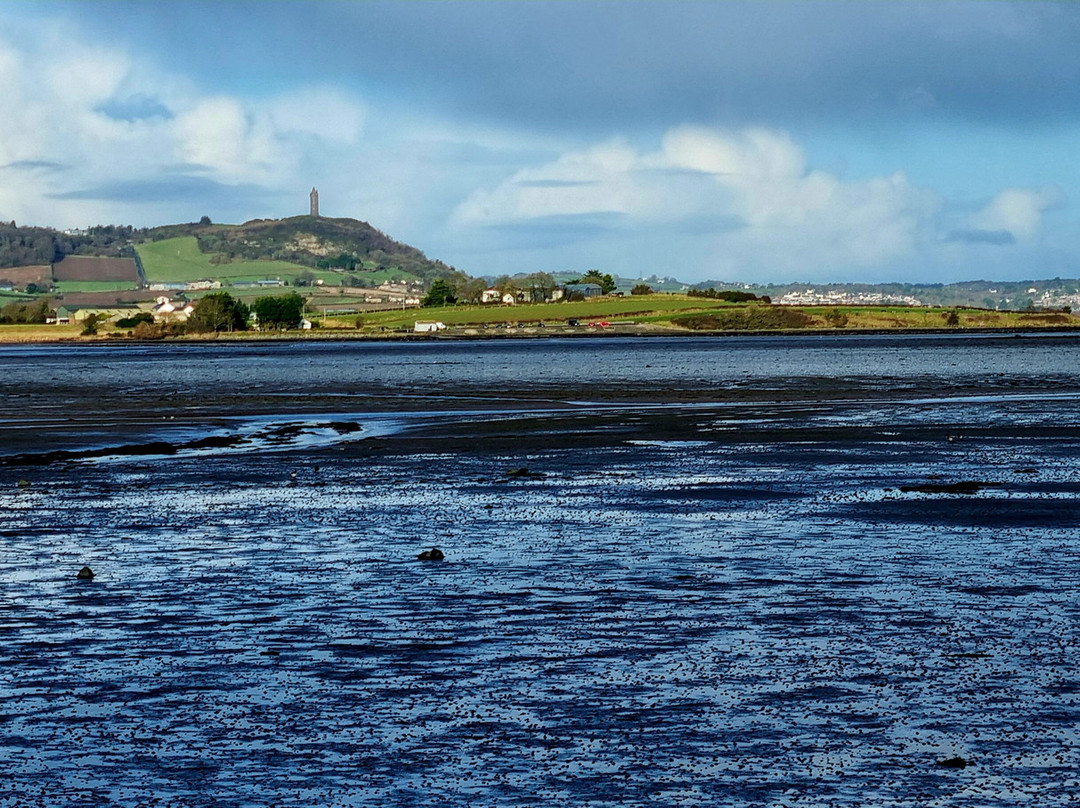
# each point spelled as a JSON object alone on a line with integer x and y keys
{"x": 273, "y": 437}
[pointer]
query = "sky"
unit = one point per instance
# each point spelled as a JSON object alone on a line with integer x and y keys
{"x": 752, "y": 142}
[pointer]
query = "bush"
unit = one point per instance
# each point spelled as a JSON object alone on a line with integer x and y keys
{"x": 730, "y": 295}
{"x": 836, "y": 318}
{"x": 642, "y": 289}
{"x": 749, "y": 318}
{"x": 132, "y": 322}
{"x": 149, "y": 330}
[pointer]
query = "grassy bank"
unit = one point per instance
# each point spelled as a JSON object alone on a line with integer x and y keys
{"x": 646, "y": 308}
{"x": 36, "y": 332}
{"x": 178, "y": 260}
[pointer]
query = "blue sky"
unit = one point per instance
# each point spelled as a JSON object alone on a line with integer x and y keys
{"x": 739, "y": 141}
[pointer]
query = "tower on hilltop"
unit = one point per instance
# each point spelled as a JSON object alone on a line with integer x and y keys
{"x": 314, "y": 202}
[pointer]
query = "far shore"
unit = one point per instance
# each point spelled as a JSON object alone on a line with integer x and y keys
{"x": 70, "y": 335}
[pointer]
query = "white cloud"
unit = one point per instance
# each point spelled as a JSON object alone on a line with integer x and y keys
{"x": 55, "y": 109}
{"x": 220, "y": 134}
{"x": 1018, "y": 211}
{"x": 769, "y": 211}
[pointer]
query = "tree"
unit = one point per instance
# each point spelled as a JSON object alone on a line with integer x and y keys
{"x": 439, "y": 294}
{"x": 30, "y": 312}
{"x": 540, "y": 284}
{"x": 604, "y": 281}
{"x": 280, "y": 311}
{"x": 132, "y": 322}
{"x": 472, "y": 290}
{"x": 219, "y": 311}
{"x": 89, "y": 328}
{"x": 641, "y": 289}
{"x": 205, "y": 220}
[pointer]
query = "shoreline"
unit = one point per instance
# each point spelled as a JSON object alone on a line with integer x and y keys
{"x": 533, "y": 333}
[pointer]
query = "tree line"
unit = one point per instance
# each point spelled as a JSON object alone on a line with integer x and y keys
{"x": 30, "y": 246}
{"x": 220, "y": 311}
{"x": 730, "y": 295}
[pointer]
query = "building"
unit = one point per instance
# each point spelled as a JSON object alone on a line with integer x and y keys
{"x": 422, "y": 327}
{"x": 166, "y": 310}
{"x": 314, "y": 202}
{"x": 65, "y": 315}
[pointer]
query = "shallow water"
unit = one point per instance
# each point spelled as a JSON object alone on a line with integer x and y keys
{"x": 726, "y": 603}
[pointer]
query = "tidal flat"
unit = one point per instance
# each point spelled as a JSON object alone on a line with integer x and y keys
{"x": 748, "y": 572}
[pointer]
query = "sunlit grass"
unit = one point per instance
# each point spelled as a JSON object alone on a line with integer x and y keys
{"x": 179, "y": 260}
{"x": 37, "y": 332}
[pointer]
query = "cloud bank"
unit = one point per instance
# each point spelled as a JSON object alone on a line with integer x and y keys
{"x": 81, "y": 124}
{"x": 754, "y": 142}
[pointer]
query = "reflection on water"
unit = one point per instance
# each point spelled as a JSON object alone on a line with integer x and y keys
{"x": 731, "y": 605}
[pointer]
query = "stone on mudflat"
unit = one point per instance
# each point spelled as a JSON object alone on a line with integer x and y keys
{"x": 85, "y": 574}
{"x": 434, "y": 554}
{"x": 953, "y": 763}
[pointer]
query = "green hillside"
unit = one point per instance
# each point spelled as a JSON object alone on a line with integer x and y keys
{"x": 312, "y": 242}
{"x": 179, "y": 260}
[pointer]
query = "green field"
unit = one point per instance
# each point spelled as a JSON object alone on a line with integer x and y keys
{"x": 373, "y": 277}
{"x": 854, "y": 318}
{"x": 646, "y": 308}
{"x": 64, "y": 287}
{"x": 178, "y": 260}
{"x": 19, "y": 297}
{"x": 659, "y": 310}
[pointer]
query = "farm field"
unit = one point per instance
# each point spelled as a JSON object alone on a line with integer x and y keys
{"x": 665, "y": 311}
{"x": 67, "y": 287}
{"x": 646, "y": 308}
{"x": 178, "y": 260}
{"x": 906, "y": 317}
{"x": 37, "y": 332}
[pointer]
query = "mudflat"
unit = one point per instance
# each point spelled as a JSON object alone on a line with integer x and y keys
{"x": 744, "y": 574}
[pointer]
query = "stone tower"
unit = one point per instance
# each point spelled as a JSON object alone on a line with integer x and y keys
{"x": 314, "y": 202}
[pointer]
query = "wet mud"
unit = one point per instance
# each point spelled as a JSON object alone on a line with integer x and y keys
{"x": 771, "y": 603}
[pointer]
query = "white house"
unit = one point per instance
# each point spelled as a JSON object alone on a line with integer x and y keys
{"x": 422, "y": 327}
{"x": 490, "y": 296}
{"x": 166, "y": 309}
{"x": 509, "y": 299}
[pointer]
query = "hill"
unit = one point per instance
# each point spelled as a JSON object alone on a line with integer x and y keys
{"x": 315, "y": 242}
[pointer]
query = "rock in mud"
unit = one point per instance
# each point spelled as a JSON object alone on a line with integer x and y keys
{"x": 85, "y": 574}
{"x": 953, "y": 763}
{"x": 434, "y": 554}
{"x": 524, "y": 472}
